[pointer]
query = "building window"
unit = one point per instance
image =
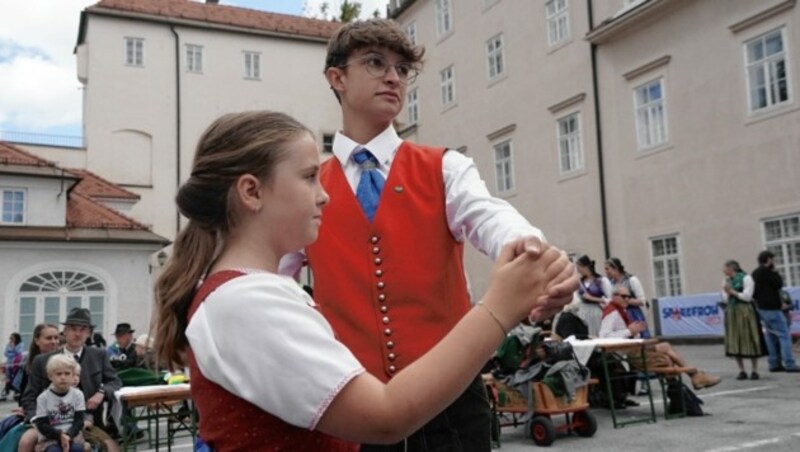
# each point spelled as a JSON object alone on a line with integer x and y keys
{"x": 49, "y": 296}
{"x": 782, "y": 237}
{"x": 13, "y": 206}
{"x": 504, "y": 166}
{"x": 444, "y": 17}
{"x": 413, "y": 106}
{"x": 767, "y": 74}
{"x": 252, "y": 65}
{"x": 194, "y": 58}
{"x": 411, "y": 31}
{"x": 134, "y": 51}
{"x": 448, "y": 85}
{"x": 494, "y": 51}
{"x": 557, "y": 22}
{"x": 327, "y": 143}
{"x": 570, "y": 147}
{"x": 666, "y": 266}
{"x": 651, "y": 114}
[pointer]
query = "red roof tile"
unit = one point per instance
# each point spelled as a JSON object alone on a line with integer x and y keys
{"x": 94, "y": 186}
{"x": 13, "y": 155}
{"x": 224, "y": 15}
{"x": 84, "y": 212}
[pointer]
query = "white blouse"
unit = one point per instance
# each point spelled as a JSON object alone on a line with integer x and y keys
{"x": 260, "y": 337}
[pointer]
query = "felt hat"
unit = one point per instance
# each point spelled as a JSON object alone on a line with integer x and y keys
{"x": 79, "y": 316}
{"x": 123, "y": 328}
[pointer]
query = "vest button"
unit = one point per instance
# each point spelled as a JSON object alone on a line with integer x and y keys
{"x": 381, "y": 285}
{"x": 378, "y": 261}
{"x": 385, "y": 320}
{"x": 378, "y": 272}
{"x": 391, "y": 356}
{"x": 382, "y": 297}
{"x": 392, "y": 369}
{"x": 387, "y": 332}
{"x": 384, "y": 309}
{"x": 390, "y": 344}
{"x": 374, "y": 239}
{"x": 376, "y": 250}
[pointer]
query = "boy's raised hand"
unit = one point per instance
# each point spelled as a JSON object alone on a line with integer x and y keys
{"x": 563, "y": 278}
{"x": 520, "y": 280}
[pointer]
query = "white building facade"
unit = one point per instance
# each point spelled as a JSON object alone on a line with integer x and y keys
{"x": 663, "y": 132}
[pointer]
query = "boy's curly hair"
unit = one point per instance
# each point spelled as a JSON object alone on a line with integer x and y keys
{"x": 380, "y": 33}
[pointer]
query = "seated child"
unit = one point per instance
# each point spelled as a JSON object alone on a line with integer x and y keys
{"x": 60, "y": 409}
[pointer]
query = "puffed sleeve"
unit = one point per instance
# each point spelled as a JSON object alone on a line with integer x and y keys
{"x": 259, "y": 337}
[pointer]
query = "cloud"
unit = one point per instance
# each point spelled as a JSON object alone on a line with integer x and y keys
{"x": 43, "y": 94}
{"x": 37, "y": 64}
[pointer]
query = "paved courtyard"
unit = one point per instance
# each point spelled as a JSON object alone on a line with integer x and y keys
{"x": 762, "y": 415}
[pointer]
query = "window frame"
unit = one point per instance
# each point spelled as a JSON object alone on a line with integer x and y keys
{"x": 194, "y": 58}
{"x": 575, "y": 156}
{"x": 495, "y": 55}
{"x": 786, "y": 245}
{"x": 67, "y": 288}
{"x": 327, "y": 143}
{"x": 504, "y": 180}
{"x": 412, "y": 105}
{"x": 558, "y": 27}
{"x": 771, "y": 88}
{"x": 134, "y": 51}
{"x": 447, "y": 85}
{"x": 411, "y": 32}
{"x": 252, "y": 65}
{"x": 671, "y": 283}
{"x": 23, "y": 205}
{"x": 647, "y": 109}
{"x": 444, "y": 17}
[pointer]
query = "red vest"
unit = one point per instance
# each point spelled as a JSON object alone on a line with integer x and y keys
{"x": 393, "y": 288}
{"x": 230, "y": 423}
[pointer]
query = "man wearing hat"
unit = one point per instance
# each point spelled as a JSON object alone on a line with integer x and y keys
{"x": 98, "y": 380}
{"x": 122, "y": 353}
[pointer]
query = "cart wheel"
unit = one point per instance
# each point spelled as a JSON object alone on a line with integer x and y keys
{"x": 584, "y": 424}
{"x": 543, "y": 431}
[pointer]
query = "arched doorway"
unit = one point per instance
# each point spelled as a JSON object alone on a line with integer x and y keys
{"x": 48, "y": 296}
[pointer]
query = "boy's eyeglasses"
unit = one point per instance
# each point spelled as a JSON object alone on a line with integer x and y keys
{"x": 624, "y": 297}
{"x": 378, "y": 67}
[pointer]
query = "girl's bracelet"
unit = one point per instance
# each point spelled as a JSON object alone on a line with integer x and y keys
{"x": 496, "y": 319}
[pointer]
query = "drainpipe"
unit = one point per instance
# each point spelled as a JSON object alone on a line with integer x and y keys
{"x": 599, "y": 137}
{"x": 177, "y": 121}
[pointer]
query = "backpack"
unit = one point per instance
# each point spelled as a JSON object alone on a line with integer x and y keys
{"x": 680, "y": 395}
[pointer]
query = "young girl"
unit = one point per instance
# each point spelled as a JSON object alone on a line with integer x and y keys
{"x": 594, "y": 292}
{"x": 266, "y": 367}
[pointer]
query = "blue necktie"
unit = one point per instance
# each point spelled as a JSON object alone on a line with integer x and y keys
{"x": 370, "y": 185}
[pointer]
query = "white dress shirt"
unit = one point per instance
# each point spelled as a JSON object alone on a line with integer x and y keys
{"x": 613, "y": 325}
{"x": 473, "y": 214}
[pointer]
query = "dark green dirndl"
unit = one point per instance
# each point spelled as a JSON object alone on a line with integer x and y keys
{"x": 743, "y": 335}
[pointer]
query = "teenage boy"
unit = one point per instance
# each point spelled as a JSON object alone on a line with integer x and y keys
{"x": 388, "y": 264}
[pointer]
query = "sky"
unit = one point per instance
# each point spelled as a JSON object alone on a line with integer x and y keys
{"x": 39, "y": 89}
